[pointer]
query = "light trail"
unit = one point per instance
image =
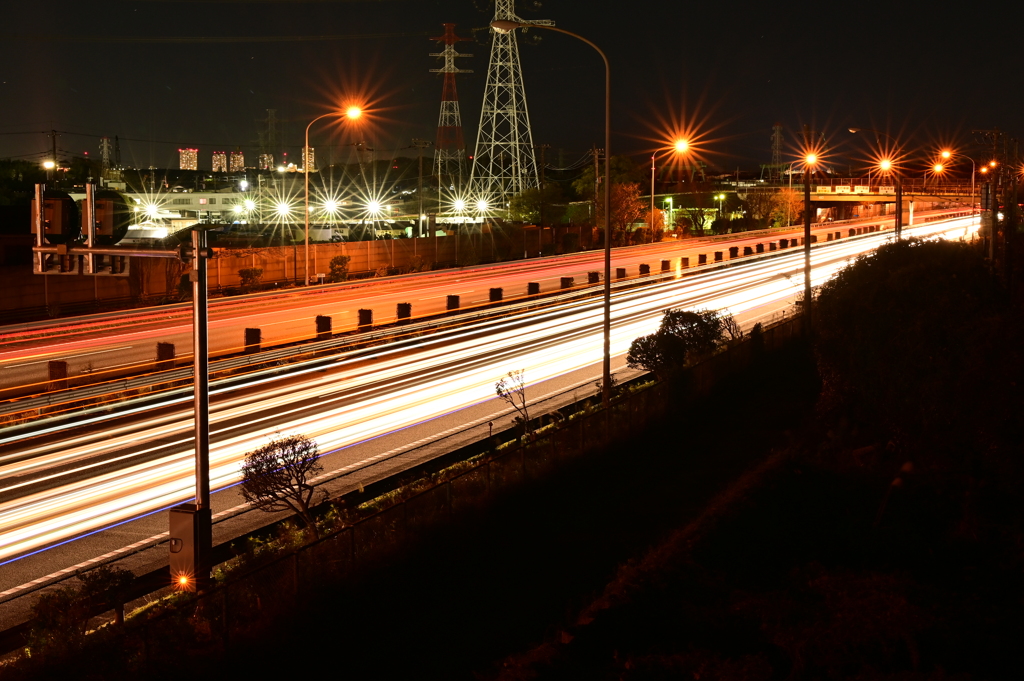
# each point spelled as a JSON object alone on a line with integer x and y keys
{"x": 397, "y": 385}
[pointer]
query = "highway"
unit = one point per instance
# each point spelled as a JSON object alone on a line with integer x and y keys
{"x": 125, "y": 342}
{"x": 60, "y": 486}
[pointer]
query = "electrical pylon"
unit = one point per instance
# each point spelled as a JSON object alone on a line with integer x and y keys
{"x": 504, "y": 163}
{"x": 450, "y": 148}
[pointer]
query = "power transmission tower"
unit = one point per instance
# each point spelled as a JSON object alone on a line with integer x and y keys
{"x": 504, "y": 163}
{"x": 450, "y": 149}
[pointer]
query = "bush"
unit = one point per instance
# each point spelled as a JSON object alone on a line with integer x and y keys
{"x": 339, "y": 268}
{"x": 250, "y": 277}
{"x": 683, "y": 338}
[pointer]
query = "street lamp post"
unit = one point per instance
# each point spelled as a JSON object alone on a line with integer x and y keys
{"x": 680, "y": 147}
{"x": 888, "y": 167}
{"x": 351, "y": 113}
{"x": 809, "y": 162}
{"x": 606, "y": 382}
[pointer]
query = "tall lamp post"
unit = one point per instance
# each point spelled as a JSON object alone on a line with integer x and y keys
{"x": 352, "y": 113}
{"x": 889, "y": 168}
{"x": 810, "y": 160}
{"x": 505, "y": 25}
{"x": 680, "y": 147}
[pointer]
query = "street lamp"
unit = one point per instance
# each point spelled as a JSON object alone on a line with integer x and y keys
{"x": 506, "y": 25}
{"x": 810, "y": 160}
{"x": 352, "y": 113}
{"x": 680, "y": 146}
{"x": 720, "y": 198}
{"x": 889, "y": 168}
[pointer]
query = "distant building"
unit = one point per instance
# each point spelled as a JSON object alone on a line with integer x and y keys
{"x": 188, "y": 159}
{"x": 308, "y": 158}
{"x": 266, "y": 161}
{"x": 237, "y": 162}
{"x": 220, "y": 162}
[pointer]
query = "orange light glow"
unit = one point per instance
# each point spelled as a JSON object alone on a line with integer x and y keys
{"x": 885, "y": 165}
{"x": 946, "y": 153}
{"x": 681, "y": 146}
{"x": 811, "y": 159}
{"x": 938, "y": 168}
{"x": 992, "y": 164}
{"x": 353, "y": 112}
{"x": 983, "y": 169}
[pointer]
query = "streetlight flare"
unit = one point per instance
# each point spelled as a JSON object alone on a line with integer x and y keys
{"x": 353, "y": 112}
{"x": 946, "y": 153}
{"x": 811, "y": 159}
{"x": 681, "y": 146}
{"x": 885, "y": 165}
{"x": 938, "y": 168}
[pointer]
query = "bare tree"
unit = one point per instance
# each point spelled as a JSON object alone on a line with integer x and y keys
{"x": 512, "y": 389}
{"x": 276, "y": 477}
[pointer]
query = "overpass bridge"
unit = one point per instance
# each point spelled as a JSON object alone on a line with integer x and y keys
{"x": 883, "y": 190}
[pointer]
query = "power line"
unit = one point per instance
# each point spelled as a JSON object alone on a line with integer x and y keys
{"x": 87, "y": 38}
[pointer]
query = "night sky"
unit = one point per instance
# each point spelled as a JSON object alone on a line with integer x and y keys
{"x": 162, "y": 74}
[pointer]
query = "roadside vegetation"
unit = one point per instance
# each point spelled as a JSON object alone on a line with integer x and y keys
{"x": 882, "y": 542}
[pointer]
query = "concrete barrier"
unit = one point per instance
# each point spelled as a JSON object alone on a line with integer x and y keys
{"x": 839, "y": 235}
{"x": 734, "y": 252}
{"x": 365, "y": 320}
{"x": 253, "y": 338}
{"x": 645, "y": 269}
{"x": 620, "y": 272}
{"x": 772, "y": 246}
{"x": 495, "y": 294}
{"x": 853, "y": 232}
{"x": 718, "y": 256}
{"x": 748, "y": 250}
{"x": 666, "y": 265}
{"x": 323, "y": 327}
{"x": 404, "y": 313}
{"x": 57, "y": 370}
{"x": 532, "y": 288}
{"x": 783, "y": 243}
{"x": 702, "y": 259}
{"x": 165, "y": 354}
{"x": 452, "y": 303}
{"x": 759, "y": 248}
{"x": 684, "y": 261}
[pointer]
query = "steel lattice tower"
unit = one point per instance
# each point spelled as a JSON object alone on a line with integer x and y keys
{"x": 450, "y": 148}
{"x": 504, "y": 163}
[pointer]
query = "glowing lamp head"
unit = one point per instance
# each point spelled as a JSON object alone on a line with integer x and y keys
{"x": 991, "y": 164}
{"x": 281, "y": 169}
{"x": 460, "y": 205}
{"x": 481, "y": 205}
{"x": 250, "y": 204}
{"x": 238, "y": 209}
{"x": 938, "y": 168}
{"x": 330, "y": 206}
{"x": 243, "y": 185}
{"x": 373, "y": 207}
{"x": 283, "y": 209}
{"x": 885, "y": 165}
{"x": 152, "y": 210}
{"x": 811, "y": 159}
{"x": 49, "y": 165}
{"x": 946, "y": 153}
{"x": 681, "y": 146}
{"x": 353, "y": 112}
{"x": 983, "y": 169}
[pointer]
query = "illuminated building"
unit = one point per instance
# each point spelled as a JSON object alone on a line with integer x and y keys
{"x": 188, "y": 159}
{"x": 308, "y": 158}
{"x": 266, "y": 161}
{"x": 237, "y": 162}
{"x": 220, "y": 162}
